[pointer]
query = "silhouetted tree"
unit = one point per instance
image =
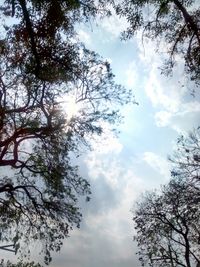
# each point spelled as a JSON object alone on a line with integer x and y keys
{"x": 41, "y": 65}
{"x": 19, "y": 264}
{"x": 176, "y": 22}
{"x": 45, "y": 29}
{"x": 186, "y": 158}
{"x": 167, "y": 226}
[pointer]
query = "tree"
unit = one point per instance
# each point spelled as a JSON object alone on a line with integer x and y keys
{"x": 186, "y": 158}
{"x": 167, "y": 226}
{"x": 42, "y": 63}
{"x": 176, "y": 22}
{"x": 44, "y": 30}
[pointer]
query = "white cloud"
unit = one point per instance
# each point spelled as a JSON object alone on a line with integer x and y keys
{"x": 163, "y": 118}
{"x": 114, "y": 227}
{"x": 163, "y": 93}
{"x": 147, "y": 51}
{"x": 84, "y": 37}
{"x": 107, "y": 167}
{"x": 106, "y": 237}
{"x": 113, "y": 25}
{"x": 132, "y": 75}
{"x": 168, "y": 97}
{"x": 180, "y": 121}
{"x": 158, "y": 163}
{"x": 107, "y": 142}
{"x": 102, "y": 160}
{"x": 190, "y": 107}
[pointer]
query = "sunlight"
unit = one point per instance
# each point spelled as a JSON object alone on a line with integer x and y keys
{"x": 70, "y": 106}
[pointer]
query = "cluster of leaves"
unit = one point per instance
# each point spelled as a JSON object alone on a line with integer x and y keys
{"x": 186, "y": 158}
{"x": 174, "y": 22}
{"x": 41, "y": 63}
{"x": 167, "y": 223}
{"x": 19, "y": 264}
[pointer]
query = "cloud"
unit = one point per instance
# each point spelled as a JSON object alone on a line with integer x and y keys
{"x": 163, "y": 118}
{"x": 147, "y": 51}
{"x": 186, "y": 117}
{"x": 163, "y": 92}
{"x": 105, "y": 237}
{"x": 113, "y": 25}
{"x": 171, "y": 102}
{"x": 131, "y": 75}
{"x": 84, "y": 37}
{"x": 158, "y": 163}
{"x": 108, "y": 222}
{"x": 105, "y": 149}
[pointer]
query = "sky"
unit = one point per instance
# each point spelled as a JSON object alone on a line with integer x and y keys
{"x": 121, "y": 168}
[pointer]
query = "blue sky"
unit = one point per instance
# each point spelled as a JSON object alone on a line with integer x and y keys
{"x": 120, "y": 169}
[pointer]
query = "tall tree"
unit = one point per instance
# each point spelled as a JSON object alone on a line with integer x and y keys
{"x": 41, "y": 65}
{"x": 176, "y": 22}
{"x": 167, "y": 226}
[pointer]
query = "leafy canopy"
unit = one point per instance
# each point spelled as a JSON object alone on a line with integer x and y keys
{"x": 172, "y": 22}
{"x": 167, "y": 226}
{"x": 167, "y": 222}
{"x": 41, "y": 64}
{"x": 186, "y": 157}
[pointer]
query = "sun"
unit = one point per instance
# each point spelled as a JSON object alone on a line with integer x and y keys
{"x": 70, "y": 106}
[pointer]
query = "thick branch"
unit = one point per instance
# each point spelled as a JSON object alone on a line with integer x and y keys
{"x": 29, "y": 28}
{"x": 188, "y": 19}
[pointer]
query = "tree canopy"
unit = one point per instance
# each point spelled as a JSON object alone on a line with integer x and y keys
{"x": 167, "y": 221}
{"x": 186, "y": 157}
{"x": 167, "y": 226}
{"x": 41, "y": 64}
{"x": 175, "y": 22}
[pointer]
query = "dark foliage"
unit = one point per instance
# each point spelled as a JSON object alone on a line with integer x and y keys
{"x": 19, "y": 264}
{"x": 167, "y": 222}
{"x": 175, "y": 22}
{"x": 186, "y": 158}
{"x": 167, "y": 226}
{"x": 41, "y": 65}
